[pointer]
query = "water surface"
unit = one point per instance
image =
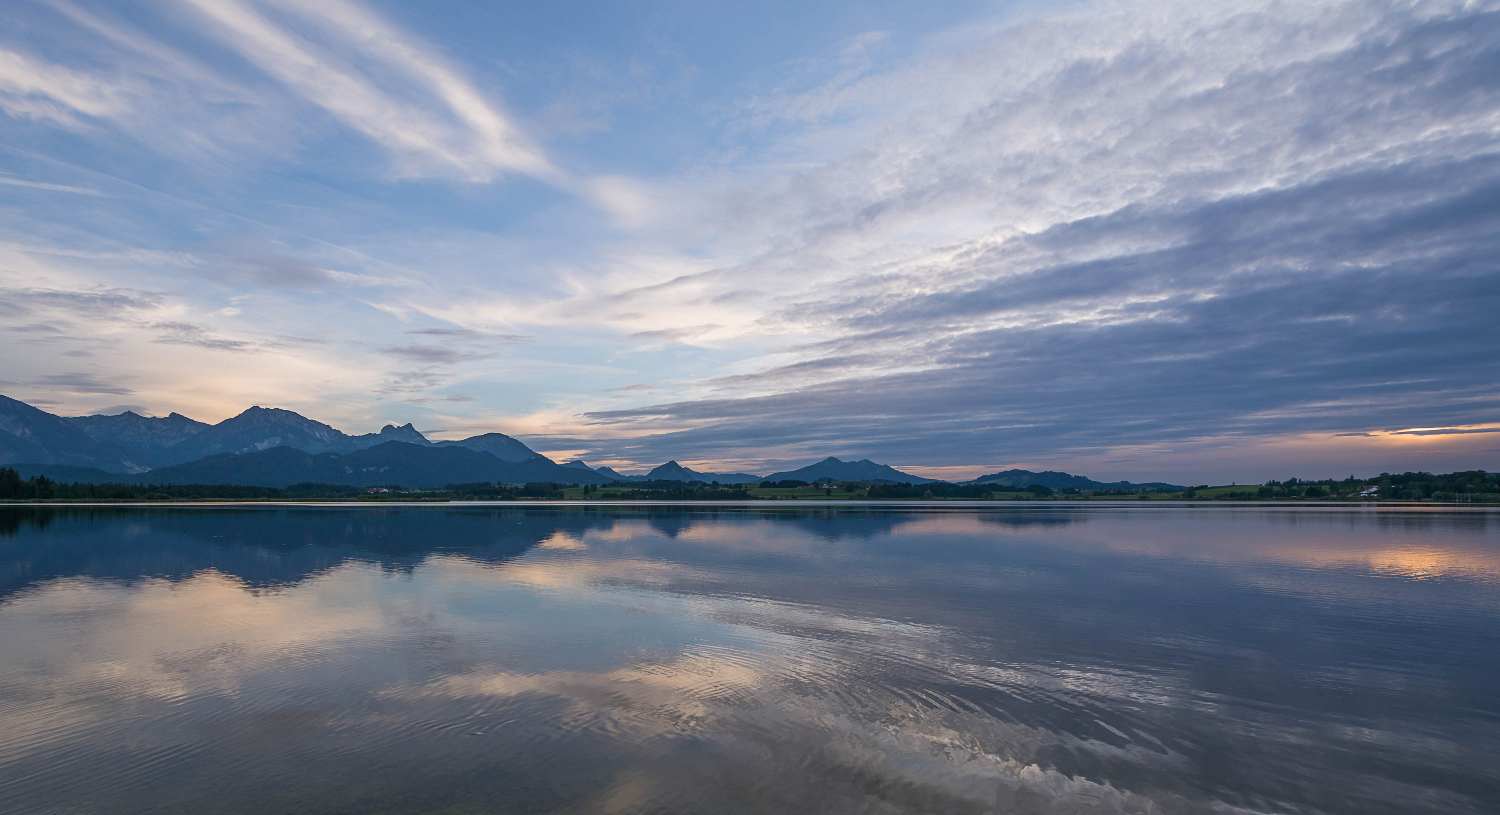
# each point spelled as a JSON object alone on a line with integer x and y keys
{"x": 718, "y": 659}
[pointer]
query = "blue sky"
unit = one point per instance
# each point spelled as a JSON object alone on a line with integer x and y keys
{"x": 1149, "y": 239}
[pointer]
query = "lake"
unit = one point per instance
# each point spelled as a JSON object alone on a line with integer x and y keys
{"x": 720, "y": 659}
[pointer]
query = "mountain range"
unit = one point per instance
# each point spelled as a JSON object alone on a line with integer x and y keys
{"x": 273, "y": 447}
{"x": 390, "y": 463}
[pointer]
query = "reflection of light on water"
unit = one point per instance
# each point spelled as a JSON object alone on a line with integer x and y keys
{"x": 1029, "y": 662}
{"x": 1424, "y": 563}
{"x": 562, "y": 541}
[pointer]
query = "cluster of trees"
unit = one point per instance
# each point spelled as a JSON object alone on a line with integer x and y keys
{"x": 939, "y": 489}
{"x": 42, "y": 488}
{"x": 673, "y": 485}
{"x": 690, "y": 491}
{"x": 485, "y": 491}
{"x": 670, "y": 490}
{"x": 1467, "y": 485}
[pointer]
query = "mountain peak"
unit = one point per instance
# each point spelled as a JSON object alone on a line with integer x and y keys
{"x": 34, "y": 436}
{"x": 862, "y": 470}
{"x": 496, "y": 444}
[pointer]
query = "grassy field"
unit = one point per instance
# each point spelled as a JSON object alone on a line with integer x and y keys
{"x": 1214, "y": 492}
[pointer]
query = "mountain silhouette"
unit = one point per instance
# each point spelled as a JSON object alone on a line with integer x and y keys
{"x": 672, "y": 471}
{"x": 31, "y": 435}
{"x": 838, "y": 470}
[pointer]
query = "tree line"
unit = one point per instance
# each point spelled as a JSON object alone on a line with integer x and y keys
{"x": 1467, "y": 485}
{"x": 42, "y": 488}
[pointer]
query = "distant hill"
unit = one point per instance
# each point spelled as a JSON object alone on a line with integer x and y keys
{"x": 672, "y": 471}
{"x": 32, "y": 436}
{"x": 70, "y": 473}
{"x": 1058, "y": 480}
{"x": 146, "y": 438}
{"x": 498, "y": 445}
{"x": 395, "y": 462}
{"x": 862, "y": 470}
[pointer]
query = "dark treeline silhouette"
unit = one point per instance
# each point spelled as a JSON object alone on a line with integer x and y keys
{"x": 680, "y": 491}
{"x": 942, "y": 489}
{"x": 42, "y": 488}
{"x": 1464, "y": 487}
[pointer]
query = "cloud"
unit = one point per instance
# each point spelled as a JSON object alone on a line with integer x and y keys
{"x": 630, "y": 202}
{"x": 16, "y": 182}
{"x": 381, "y": 83}
{"x": 80, "y": 383}
{"x": 1447, "y": 431}
{"x": 178, "y": 333}
{"x": 684, "y": 333}
{"x": 412, "y": 382}
{"x": 40, "y": 328}
{"x": 35, "y": 89}
{"x": 277, "y": 272}
{"x": 469, "y": 335}
{"x": 96, "y": 303}
{"x": 435, "y": 354}
{"x": 1136, "y": 228}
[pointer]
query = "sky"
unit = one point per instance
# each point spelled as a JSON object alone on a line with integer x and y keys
{"x": 1156, "y": 240}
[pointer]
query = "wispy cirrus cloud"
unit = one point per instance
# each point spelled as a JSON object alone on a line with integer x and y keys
{"x": 41, "y": 185}
{"x": 37, "y": 89}
{"x": 95, "y": 302}
{"x": 441, "y": 125}
{"x": 180, "y": 333}
{"x": 468, "y": 335}
{"x": 84, "y": 383}
{"x": 435, "y": 354}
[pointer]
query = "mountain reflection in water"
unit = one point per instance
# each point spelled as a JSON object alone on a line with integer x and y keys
{"x": 723, "y": 659}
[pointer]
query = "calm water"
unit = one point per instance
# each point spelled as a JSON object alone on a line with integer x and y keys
{"x": 713, "y": 659}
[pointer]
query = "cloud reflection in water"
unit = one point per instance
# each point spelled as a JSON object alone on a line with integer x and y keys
{"x": 731, "y": 660}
